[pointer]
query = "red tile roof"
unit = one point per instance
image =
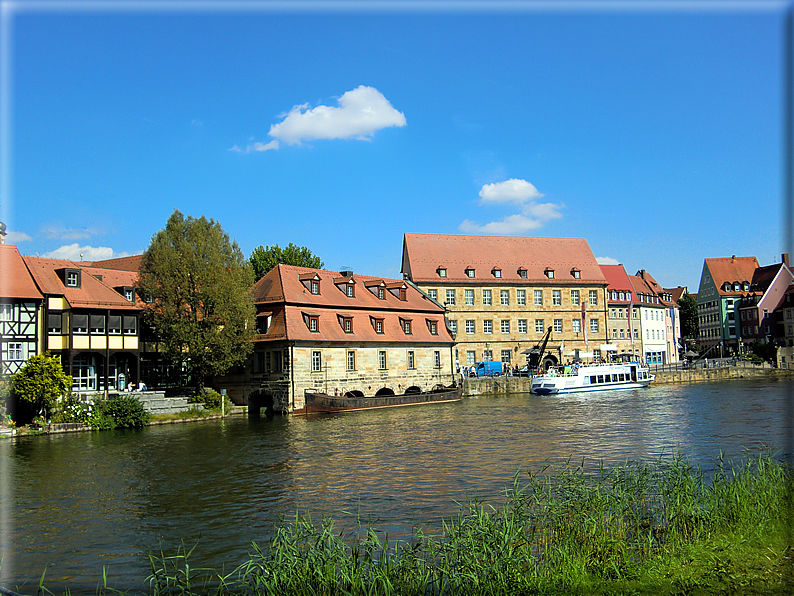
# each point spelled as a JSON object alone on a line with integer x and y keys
{"x": 92, "y": 293}
{"x": 731, "y": 269}
{"x": 132, "y": 263}
{"x": 618, "y": 280}
{"x": 282, "y": 292}
{"x": 423, "y": 254}
{"x": 15, "y": 280}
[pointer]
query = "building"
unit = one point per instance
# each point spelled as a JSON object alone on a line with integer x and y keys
{"x": 761, "y": 309}
{"x": 623, "y": 313}
{"x": 20, "y": 312}
{"x": 723, "y": 281}
{"x": 340, "y": 333}
{"x": 502, "y": 294}
{"x": 658, "y": 317}
{"x": 90, "y": 317}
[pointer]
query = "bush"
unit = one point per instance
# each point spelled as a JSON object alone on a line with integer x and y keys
{"x": 100, "y": 418}
{"x": 73, "y": 409}
{"x": 211, "y": 400}
{"x": 127, "y": 412}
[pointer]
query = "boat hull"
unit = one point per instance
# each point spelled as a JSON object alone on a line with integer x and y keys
{"x": 605, "y": 387}
{"x": 317, "y": 403}
{"x": 588, "y": 378}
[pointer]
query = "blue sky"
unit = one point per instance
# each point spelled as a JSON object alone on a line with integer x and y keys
{"x": 652, "y": 130}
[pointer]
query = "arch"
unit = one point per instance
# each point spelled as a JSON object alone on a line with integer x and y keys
{"x": 384, "y": 391}
{"x": 354, "y": 393}
{"x": 260, "y": 399}
{"x": 548, "y": 361}
{"x": 412, "y": 390}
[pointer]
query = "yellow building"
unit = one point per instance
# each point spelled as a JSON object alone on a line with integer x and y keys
{"x": 503, "y": 293}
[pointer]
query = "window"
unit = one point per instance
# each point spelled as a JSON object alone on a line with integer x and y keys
{"x": 487, "y": 355}
{"x": 539, "y": 326}
{"x": 351, "y": 360}
{"x": 487, "y": 326}
{"x": 576, "y": 326}
{"x": 522, "y": 325}
{"x": 406, "y": 326}
{"x": 504, "y": 297}
{"x": 549, "y": 273}
{"x": 614, "y": 333}
{"x": 80, "y": 323}
{"x": 349, "y": 290}
{"x": 453, "y": 326}
{"x": 486, "y": 297}
{"x": 594, "y": 325}
{"x": 538, "y": 297}
{"x": 636, "y": 334}
{"x": 505, "y": 326}
{"x": 575, "y": 297}
{"x": 441, "y": 272}
{"x": 437, "y": 359}
{"x": 621, "y": 296}
{"x": 54, "y": 323}
{"x": 432, "y": 327}
{"x": 114, "y": 325}
{"x": 521, "y": 297}
{"x": 97, "y": 324}
{"x": 522, "y": 273}
{"x": 612, "y": 313}
{"x": 381, "y": 294}
{"x": 576, "y": 273}
{"x": 433, "y": 294}
{"x": 497, "y": 273}
{"x": 72, "y": 279}
{"x": 470, "y": 273}
{"x": 471, "y": 358}
{"x": 315, "y": 287}
{"x": 622, "y": 334}
{"x": 382, "y": 359}
{"x": 6, "y": 312}
{"x": 347, "y": 324}
{"x": 128, "y": 294}
{"x": 556, "y": 297}
{"x": 411, "y": 363}
{"x": 316, "y": 362}
{"x": 557, "y": 325}
{"x": 593, "y": 297}
{"x": 506, "y": 355}
{"x": 469, "y": 297}
{"x": 450, "y": 296}
{"x": 469, "y": 327}
{"x": 14, "y": 351}
{"x": 314, "y": 324}
{"x": 130, "y": 325}
{"x": 378, "y": 326}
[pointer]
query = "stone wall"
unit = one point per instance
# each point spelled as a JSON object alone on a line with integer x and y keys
{"x": 155, "y": 402}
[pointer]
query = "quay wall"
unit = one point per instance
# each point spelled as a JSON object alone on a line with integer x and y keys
{"x": 505, "y": 385}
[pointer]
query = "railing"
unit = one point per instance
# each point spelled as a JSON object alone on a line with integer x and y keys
{"x": 709, "y": 363}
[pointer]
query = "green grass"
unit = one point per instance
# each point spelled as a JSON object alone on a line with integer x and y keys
{"x": 658, "y": 528}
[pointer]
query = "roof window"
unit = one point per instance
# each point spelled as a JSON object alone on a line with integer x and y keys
{"x": 522, "y": 273}
{"x": 470, "y": 272}
{"x": 548, "y": 272}
{"x": 576, "y": 273}
{"x": 496, "y": 272}
{"x": 442, "y": 271}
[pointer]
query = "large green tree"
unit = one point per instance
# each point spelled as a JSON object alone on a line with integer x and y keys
{"x": 688, "y": 312}
{"x": 41, "y": 382}
{"x": 198, "y": 284}
{"x": 265, "y": 258}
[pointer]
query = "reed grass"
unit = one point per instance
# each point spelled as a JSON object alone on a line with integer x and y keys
{"x": 664, "y": 527}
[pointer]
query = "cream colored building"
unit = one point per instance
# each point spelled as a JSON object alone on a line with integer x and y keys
{"x": 502, "y": 294}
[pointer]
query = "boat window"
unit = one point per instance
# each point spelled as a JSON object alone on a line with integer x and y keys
{"x": 622, "y": 377}
{"x": 593, "y": 379}
{"x": 614, "y": 378}
{"x": 600, "y": 378}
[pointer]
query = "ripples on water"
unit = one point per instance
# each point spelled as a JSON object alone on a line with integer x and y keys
{"x": 78, "y": 502}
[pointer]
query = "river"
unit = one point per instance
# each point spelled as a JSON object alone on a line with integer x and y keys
{"x": 76, "y": 503}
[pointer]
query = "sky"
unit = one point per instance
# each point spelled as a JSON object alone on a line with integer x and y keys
{"x": 651, "y": 129}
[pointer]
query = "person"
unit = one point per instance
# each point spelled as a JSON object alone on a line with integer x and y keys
{"x": 141, "y": 386}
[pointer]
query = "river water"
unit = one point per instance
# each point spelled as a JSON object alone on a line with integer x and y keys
{"x": 79, "y": 502}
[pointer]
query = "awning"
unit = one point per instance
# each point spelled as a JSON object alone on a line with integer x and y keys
{"x": 609, "y": 348}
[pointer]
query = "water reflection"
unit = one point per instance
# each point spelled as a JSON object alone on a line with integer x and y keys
{"x": 78, "y": 502}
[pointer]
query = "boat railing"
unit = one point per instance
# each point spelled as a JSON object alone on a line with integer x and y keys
{"x": 573, "y": 369}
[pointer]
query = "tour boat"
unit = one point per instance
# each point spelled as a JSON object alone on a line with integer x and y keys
{"x": 323, "y": 402}
{"x": 592, "y": 377}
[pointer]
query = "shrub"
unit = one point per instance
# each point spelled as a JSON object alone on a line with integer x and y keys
{"x": 127, "y": 412}
{"x": 100, "y": 418}
{"x": 211, "y": 400}
{"x": 73, "y": 409}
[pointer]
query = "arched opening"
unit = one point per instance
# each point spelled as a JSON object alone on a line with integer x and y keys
{"x": 413, "y": 389}
{"x": 548, "y": 362}
{"x": 260, "y": 399}
{"x": 384, "y": 391}
{"x": 354, "y": 393}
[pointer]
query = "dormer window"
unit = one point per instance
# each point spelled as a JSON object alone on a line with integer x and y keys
{"x": 497, "y": 273}
{"x": 746, "y": 286}
{"x": 576, "y": 273}
{"x": 549, "y": 273}
{"x": 470, "y": 272}
{"x": 406, "y": 326}
{"x": 398, "y": 289}
{"x": 442, "y": 272}
{"x": 377, "y": 324}
{"x": 432, "y": 326}
{"x": 346, "y": 323}
{"x": 71, "y": 278}
{"x": 311, "y": 281}
{"x": 737, "y": 287}
{"x": 522, "y": 273}
{"x": 128, "y": 294}
{"x": 315, "y": 287}
{"x": 312, "y": 321}
{"x": 381, "y": 294}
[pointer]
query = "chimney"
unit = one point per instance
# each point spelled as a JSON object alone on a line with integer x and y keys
{"x": 733, "y": 258}
{"x": 784, "y": 256}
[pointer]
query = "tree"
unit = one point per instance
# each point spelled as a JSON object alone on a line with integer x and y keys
{"x": 41, "y": 382}
{"x": 198, "y": 284}
{"x": 265, "y": 258}
{"x": 688, "y": 311}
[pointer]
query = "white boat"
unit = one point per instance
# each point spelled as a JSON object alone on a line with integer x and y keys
{"x": 592, "y": 377}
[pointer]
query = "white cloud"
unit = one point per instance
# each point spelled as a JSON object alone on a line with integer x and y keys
{"x": 62, "y": 233}
{"x": 510, "y": 191}
{"x": 360, "y": 113}
{"x": 16, "y": 237}
{"x": 72, "y": 252}
{"x": 533, "y": 215}
{"x": 607, "y": 261}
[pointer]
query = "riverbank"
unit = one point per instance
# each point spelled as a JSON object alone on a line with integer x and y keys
{"x": 662, "y": 527}
{"x": 507, "y": 385}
